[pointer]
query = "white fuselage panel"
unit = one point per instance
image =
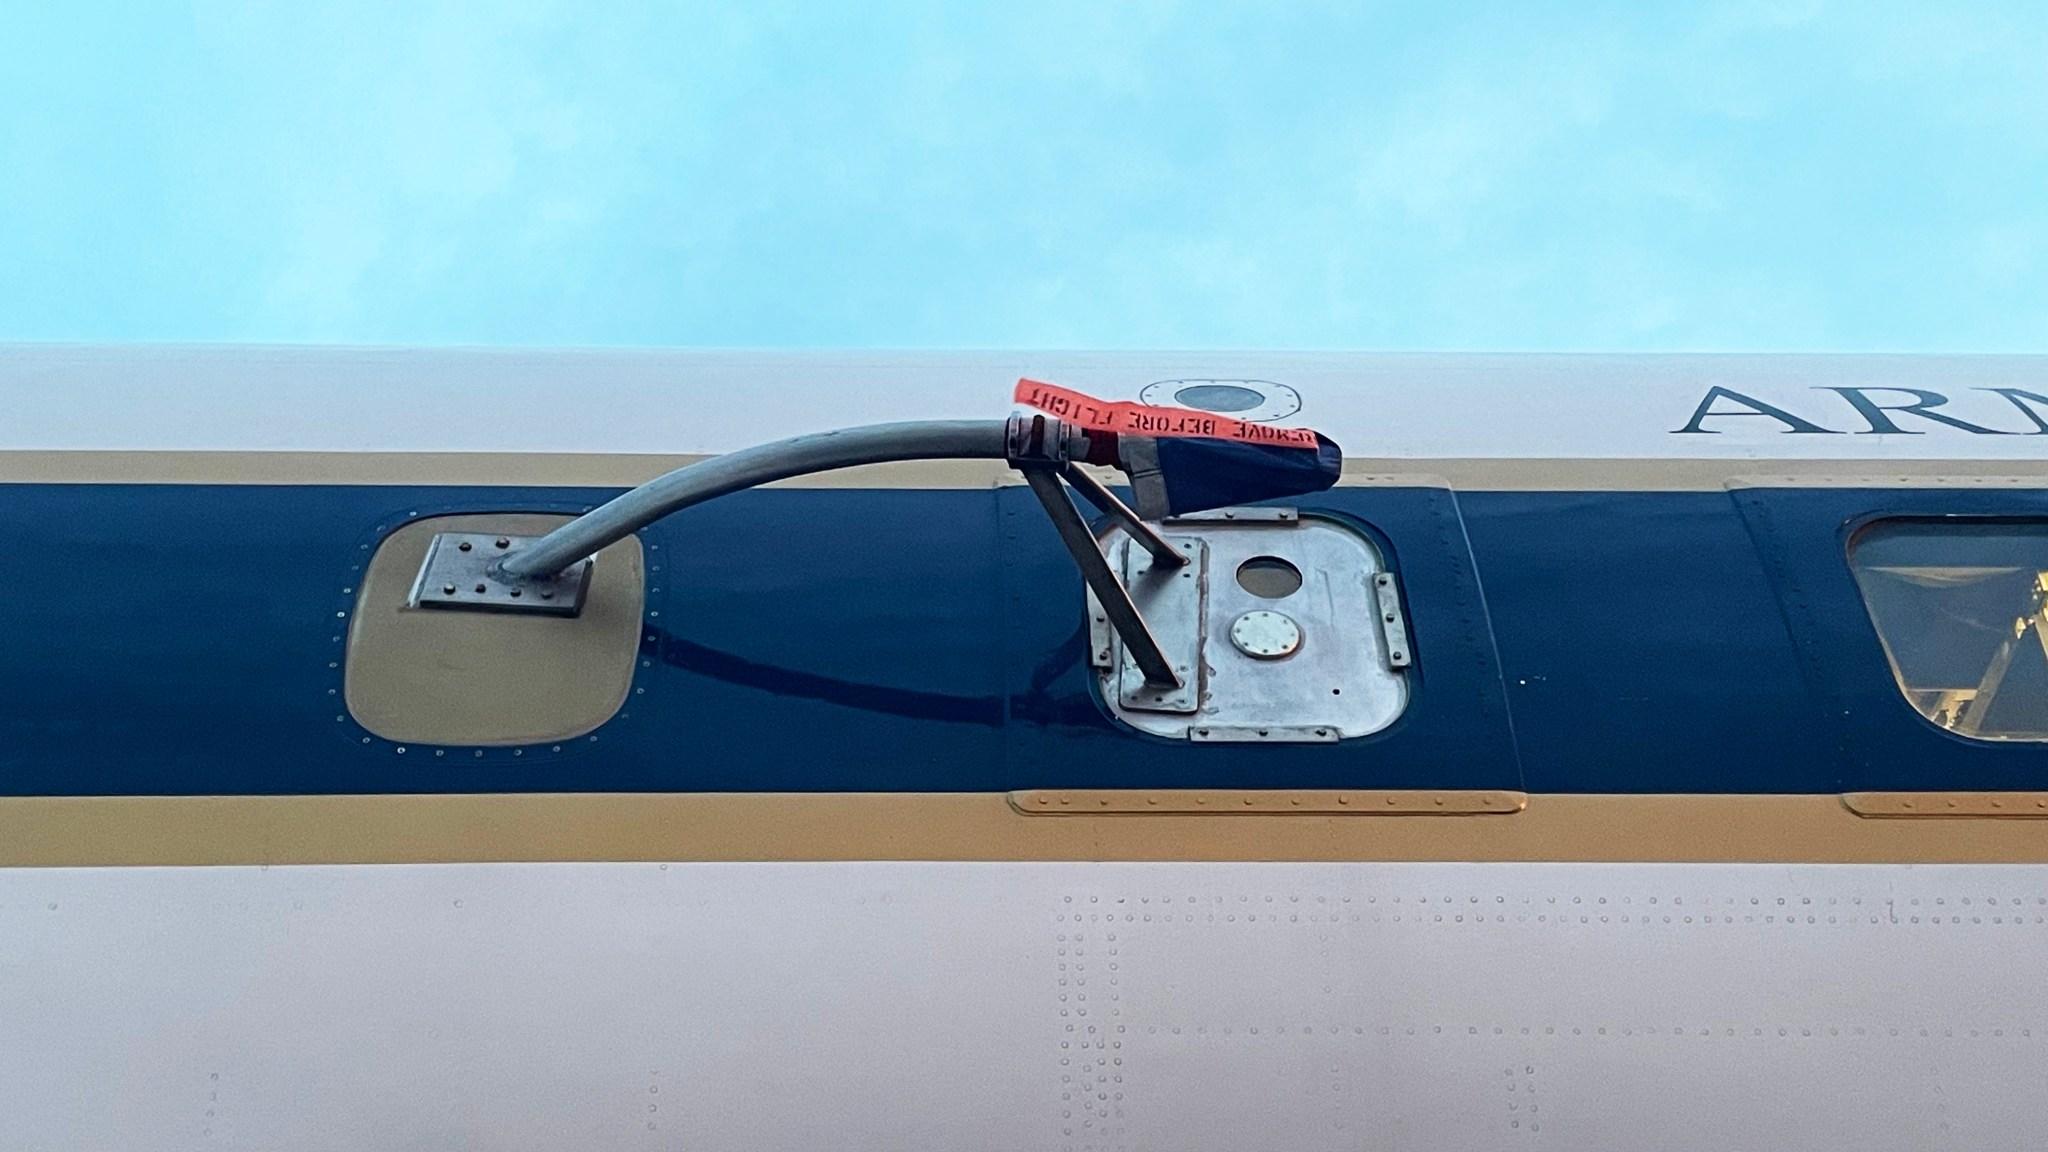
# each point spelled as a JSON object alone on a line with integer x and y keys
{"x": 261, "y": 399}
{"x": 1043, "y": 1006}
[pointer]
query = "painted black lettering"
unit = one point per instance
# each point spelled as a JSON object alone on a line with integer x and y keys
{"x": 1755, "y": 407}
{"x": 1923, "y": 405}
{"x": 2025, "y": 401}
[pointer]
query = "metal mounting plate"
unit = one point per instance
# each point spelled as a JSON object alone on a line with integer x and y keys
{"x": 458, "y": 574}
{"x": 1171, "y": 599}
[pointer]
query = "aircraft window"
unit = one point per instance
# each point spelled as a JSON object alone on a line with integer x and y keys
{"x": 1959, "y": 606}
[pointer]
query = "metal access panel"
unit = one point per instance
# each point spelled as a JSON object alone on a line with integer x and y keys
{"x": 1297, "y": 622}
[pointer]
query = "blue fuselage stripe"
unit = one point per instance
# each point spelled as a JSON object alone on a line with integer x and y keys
{"x": 183, "y": 639}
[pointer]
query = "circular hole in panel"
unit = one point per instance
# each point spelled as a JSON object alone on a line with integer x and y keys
{"x": 1269, "y": 577}
{"x": 1220, "y": 397}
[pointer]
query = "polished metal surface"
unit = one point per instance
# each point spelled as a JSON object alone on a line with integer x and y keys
{"x": 1605, "y": 1008}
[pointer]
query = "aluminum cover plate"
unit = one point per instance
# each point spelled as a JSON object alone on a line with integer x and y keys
{"x": 1344, "y": 678}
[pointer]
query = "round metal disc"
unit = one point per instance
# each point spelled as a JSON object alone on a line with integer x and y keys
{"x": 1265, "y": 635}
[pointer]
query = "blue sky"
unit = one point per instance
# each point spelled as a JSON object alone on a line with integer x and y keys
{"x": 1749, "y": 175}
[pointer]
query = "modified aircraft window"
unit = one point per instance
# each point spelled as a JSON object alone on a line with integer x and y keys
{"x": 1960, "y": 608}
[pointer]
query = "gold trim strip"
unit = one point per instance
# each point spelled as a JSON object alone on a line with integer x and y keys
{"x": 1948, "y": 805}
{"x": 1239, "y": 802}
{"x": 183, "y": 830}
{"x": 26, "y": 466}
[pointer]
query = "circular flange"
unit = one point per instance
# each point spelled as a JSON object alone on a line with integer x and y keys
{"x": 1253, "y": 401}
{"x": 1264, "y": 635}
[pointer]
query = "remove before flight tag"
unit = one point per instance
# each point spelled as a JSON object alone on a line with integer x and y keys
{"x": 1127, "y": 418}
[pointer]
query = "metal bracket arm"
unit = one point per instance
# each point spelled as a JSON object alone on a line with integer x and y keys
{"x": 1115, "y": 599}
{"x": 1146, "y": 535}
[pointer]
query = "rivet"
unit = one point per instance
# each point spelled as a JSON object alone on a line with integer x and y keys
{"x": 504, "y": 543}
{"x": 1247, "y": 801}
{"x": 1343, "y": 799}
{"x": 515, "y": 592}
{"x": 482, "y": 588}
{"x": 547, "y": 593}
{"x": 464, "y": 546}
{"x": 448, "y": 589}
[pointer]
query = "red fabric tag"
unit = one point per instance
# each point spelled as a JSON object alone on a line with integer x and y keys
{"x": 1126, "y": 418}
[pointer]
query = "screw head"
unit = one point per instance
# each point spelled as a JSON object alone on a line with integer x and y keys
{"x": 464, "y": 546}
{"x": 448, "y": 589}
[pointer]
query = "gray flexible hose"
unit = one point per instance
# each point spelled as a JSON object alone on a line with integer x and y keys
{"x": 820, "y": 452}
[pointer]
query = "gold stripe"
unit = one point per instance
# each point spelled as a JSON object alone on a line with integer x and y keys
{"x": 1948, "y": 805}
{"x": 1240, "y": 802}
{"x": 569, "y": 469}
{"x": 541, "y": 469}
{"x": 141, "y": 830}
